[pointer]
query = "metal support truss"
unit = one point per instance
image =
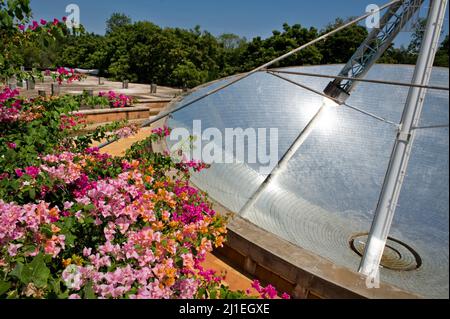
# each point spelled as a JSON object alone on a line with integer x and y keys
{"x": 378, "y": 41}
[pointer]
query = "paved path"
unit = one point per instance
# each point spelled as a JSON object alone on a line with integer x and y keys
{"x": 140, "y": 91}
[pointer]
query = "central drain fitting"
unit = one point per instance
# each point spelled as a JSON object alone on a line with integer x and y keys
{"x": 397, "y": 255}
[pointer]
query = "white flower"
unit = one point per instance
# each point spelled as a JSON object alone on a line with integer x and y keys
{"x": 72, "y": 277}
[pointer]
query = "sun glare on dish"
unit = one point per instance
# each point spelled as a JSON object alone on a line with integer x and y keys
{"x": 328, "y": 118}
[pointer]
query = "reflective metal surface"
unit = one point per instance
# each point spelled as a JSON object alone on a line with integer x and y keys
{"x": 329, "y": 191}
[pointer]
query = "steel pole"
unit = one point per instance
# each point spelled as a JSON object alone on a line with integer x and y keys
{"x": 301, "y": 138}
{"x": 390, "y": 192}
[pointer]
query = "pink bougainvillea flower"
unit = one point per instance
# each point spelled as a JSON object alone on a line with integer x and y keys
{"x": 270, "y": 291}
{"x": 32, "y": 171}
{"x": 19, "y": 172}
{"x": 55, "y": 22}
{"x": 43, "y": 22}
{"x": 13, "y": 249}
{"x": 34, "y": 26}
{"x": 285, "y": 296}
{"x": 256, "y": 285}
{"x": 11, "y": 145}
{"x": 21, "y": 27}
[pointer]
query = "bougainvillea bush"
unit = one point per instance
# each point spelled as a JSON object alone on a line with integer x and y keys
{"x": 30, "y": 128}
{"x": 65, "y": 75}
{"x": 117, "y": 100}
{"x": 75, "y": 223}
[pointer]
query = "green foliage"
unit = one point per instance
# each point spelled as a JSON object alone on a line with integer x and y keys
{"x": 117, "y": 20}
{"x": 410, "y": 54}
{"x": 340, "y": 47}
{"x": 10, "y": 12}
{"x": 146, "y": 53}
{"x": 35, "y": 272}
{"x": 37, "y": 136}
{"x": 43, "y": 127}
{"x": 261, "y": 51}
{"x": 442, "y": 54}
{"x": 85, "y": 100}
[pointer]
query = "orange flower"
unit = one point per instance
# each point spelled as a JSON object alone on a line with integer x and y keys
{"x": 55, "y": 229}
{"x": 165, "y": 216}
{"x": 184, "y": 196}
{"x": 158, "y": 226}
{"x": 148, "y": 179}
{"x": 169, "y": 282}
{"x": 67, "y": 262}
{"x": 158, "y": 184}
{"x": 219, "y": 241}
{"x": 203, "y": 229}
{"x": 179, "y": 236}
{"x": 135, "y": 164}
{"x": 54, "y": 212}
{"x": 173, "y": 224}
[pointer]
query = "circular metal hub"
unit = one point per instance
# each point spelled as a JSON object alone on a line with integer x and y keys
{"x": 397, "y": 255}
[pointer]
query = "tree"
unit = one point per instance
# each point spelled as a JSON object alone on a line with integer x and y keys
{"x": 410, "y": 54}
{"x": 417, "y": 36}
{"x": 231, "y": 41}
{"x": 12, "y": 13}
{"x": 16, "y": 37}
{"x": 117, "y": 20}
{"x": 340, "y": 47}
{"x": 442, "y": 57}
{"x": 260, "y": 51}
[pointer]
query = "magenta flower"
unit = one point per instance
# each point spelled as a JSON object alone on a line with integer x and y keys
{"x": 21, "y": 27}
{"x": 12, "y": 145}
{"x": 285, "y": 296}
{"x": 19, "y": 173}
{"x": 32, "y": 171}
{"x": 257, "y": 286}
{"x": 43, "y": 22}
{"x": 55, "y": 22}
{"x": 270, "y": 291}
{"x": 34, "y": 26}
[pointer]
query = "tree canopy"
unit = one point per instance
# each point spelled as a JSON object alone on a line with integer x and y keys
{"x": 144, "y": 52}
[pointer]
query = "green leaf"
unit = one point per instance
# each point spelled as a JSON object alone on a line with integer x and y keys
{"x": 32, "y": 193}
{"x": 4, "y": 287}
{"x": 36, "y": 272}
{"x": 13, "y": 295}
{"x": 46, "y": 230}
{"x": 70, "y": 239}
{"x": 64, "y": 295}
{"x": 18, "y": 273}
{"x": 212, "y": 294}
{"x": 89, "y": 291}
{"x": 56, "y": 286}
{"x": 39, "y": 271}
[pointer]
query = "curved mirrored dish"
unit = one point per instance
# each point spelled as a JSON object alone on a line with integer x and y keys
{"x": 324, "y": 200}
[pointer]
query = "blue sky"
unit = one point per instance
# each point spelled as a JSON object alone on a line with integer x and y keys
{"x": 247, "y": 18}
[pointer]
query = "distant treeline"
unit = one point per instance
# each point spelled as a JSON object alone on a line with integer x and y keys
{"x": 146, "y": 53}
